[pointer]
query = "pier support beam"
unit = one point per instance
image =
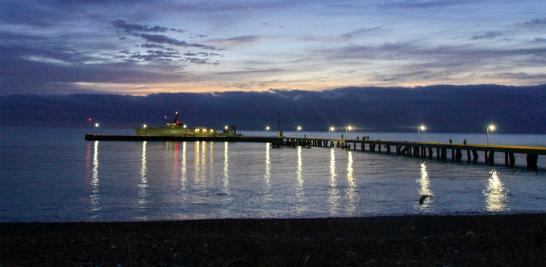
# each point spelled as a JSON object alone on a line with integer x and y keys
{"x": 475, "y": 156}
{"x": 532, "y": 160}
{"x": 490, "y": 158}
{"x": 444, "y": 154}
{"x": 458, "y": 156}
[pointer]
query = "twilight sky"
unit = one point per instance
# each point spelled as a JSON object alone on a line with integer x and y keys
{"x": 138, "y": 48}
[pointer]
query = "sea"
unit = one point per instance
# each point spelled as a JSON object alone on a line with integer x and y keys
{"x": 54, "y": 175}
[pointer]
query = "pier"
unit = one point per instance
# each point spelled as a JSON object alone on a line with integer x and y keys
{"x": 458, "y": 153}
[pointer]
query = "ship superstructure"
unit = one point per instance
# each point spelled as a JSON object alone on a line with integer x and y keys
{"x": 178, "y": 128}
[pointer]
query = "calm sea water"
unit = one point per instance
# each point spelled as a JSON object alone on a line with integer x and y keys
{"x": 54, "y": 175}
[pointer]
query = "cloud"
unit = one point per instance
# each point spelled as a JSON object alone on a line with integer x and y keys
{"x": 237, "y": 40}
{"x": 142, "y": 31}
{"x": 253, "y": 71}
{"x": 162, "y": 39}
{"x": 445, "y": 53}
{"x": 151, "y": 46}
{"x": 152, "y": 55}
{"x": 128, "y": 27}
{"x": 487, "y": 35}
{"x": 360, "y": 32}
{"x": 539, "y": 40}
{"x": 360, "y": 106}
{"x": 539, "y": 23}
{"x": 40, "y": 71}
{"x": 413, "y": 4}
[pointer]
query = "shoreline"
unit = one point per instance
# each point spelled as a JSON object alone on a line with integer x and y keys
{"x": 506, "y": 239}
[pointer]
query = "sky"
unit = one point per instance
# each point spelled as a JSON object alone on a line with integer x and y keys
{"x": 143, "y": 47}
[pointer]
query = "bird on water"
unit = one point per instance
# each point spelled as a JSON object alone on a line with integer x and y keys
{"x": 423, "y": 198}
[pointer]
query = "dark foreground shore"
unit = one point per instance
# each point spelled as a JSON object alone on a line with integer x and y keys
{"x": 405, "y": 240}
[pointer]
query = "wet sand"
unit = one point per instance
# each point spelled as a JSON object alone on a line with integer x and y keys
{"x": 402, "y": 240}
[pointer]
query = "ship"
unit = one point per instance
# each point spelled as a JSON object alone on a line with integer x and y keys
{"x": 178, "y": 128}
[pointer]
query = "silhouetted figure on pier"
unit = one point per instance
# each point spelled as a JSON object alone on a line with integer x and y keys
{"x": 450, "y": 141}
{"x": 464, "y": 142}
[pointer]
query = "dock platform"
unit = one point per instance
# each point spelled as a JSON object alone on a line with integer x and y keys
{"x": 457, "y": 153}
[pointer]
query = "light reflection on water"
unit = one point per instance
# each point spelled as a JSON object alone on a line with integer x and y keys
{"x": 157, "y": 180}
{"x": 143, "y": 182}
{"x": 226, "y": 167}
{"x": 300, "y": 209}
{"x": 424, "y": 190}
{"x": 495, "y": 193}
{"x": 333, "y": 192}
{"x": 351, "y": 185}
{"x": 95, "y": 182}
{"x": 183, "y": 170}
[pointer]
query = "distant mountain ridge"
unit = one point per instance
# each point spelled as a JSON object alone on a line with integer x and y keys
{"x": 443, "y": 108}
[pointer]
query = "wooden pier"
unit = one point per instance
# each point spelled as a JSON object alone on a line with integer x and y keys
{"x": 427, "y": 150}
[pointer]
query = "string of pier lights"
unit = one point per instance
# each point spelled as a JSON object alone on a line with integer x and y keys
{"x": 421, "y": 128}
{"x": 488, "y": 131}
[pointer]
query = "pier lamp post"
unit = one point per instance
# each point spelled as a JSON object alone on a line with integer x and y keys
{"x": 226, "y": 127}
{"x": 420, "y": 129}
{"x": 267, "y": 128}
{"x": 185, "y": 126}
{"x": 490, "y": 128}
{"x": 97, "y": 125}
{"x": 298, "y": 128}
{"x": 145, "y": 126}
{"x": 348, "y": 129}
{"x": 330, "y": 131}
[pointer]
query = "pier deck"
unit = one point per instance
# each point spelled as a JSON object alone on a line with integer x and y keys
{"x": 427, "y": 150}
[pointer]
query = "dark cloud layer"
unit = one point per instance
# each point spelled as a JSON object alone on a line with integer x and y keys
{"x": 162, "y": 39}
{"x": 465, "y": 108}
{"x": 487, "y": 35}
{"x": 128, "y": 27}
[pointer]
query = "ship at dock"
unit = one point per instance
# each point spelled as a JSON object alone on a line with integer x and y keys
{"x": 177, "y": 128}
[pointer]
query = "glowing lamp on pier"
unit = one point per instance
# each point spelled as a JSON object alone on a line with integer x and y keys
{"x": 332, "y": 129}
{"x": 97, "y": 125}
{"x": 226, "y": 127}
{"x": 267, "y": 128}
{"x": 184, "y": 126}
{"x": 145, "y": 126}
{"x": 299, "y": 128}
{"x": 420, "y": 129}
{"x": 490, "y": 128}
